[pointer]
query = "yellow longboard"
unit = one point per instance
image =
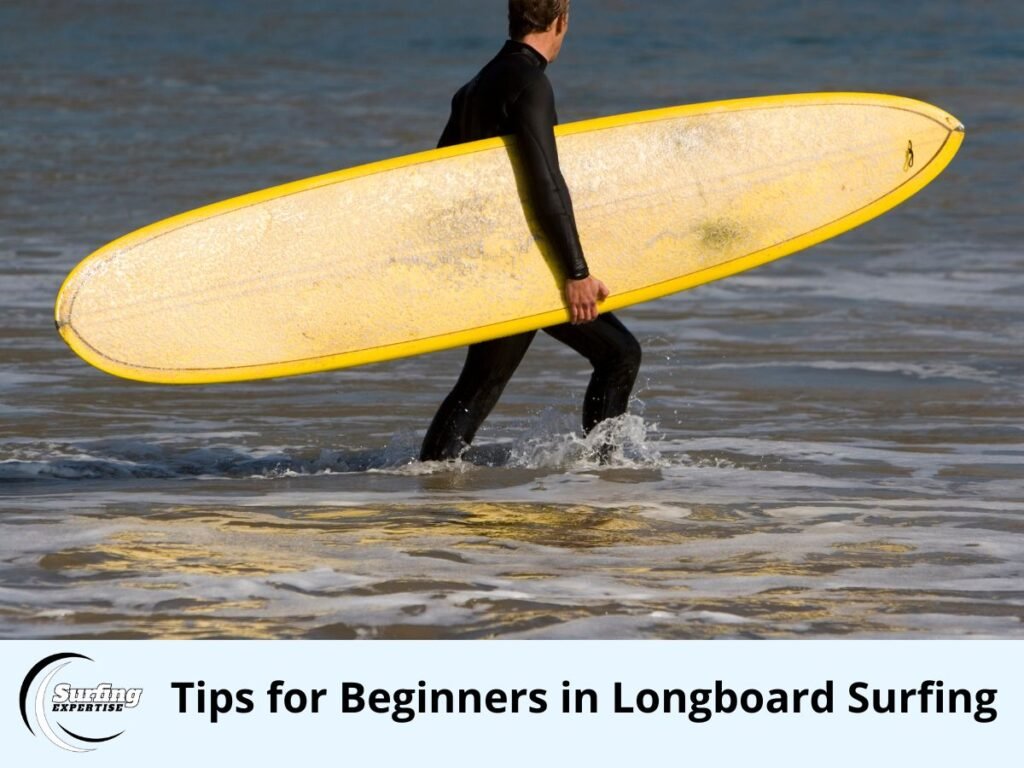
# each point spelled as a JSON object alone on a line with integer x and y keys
{"x": 439, "y": 249}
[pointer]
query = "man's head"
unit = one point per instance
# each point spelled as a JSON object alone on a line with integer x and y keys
{"x": 546, "y": 21}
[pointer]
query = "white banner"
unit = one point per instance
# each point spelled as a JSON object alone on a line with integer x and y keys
{"x": 792, "y": 703}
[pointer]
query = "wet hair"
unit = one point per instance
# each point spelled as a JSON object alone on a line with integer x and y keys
{"x": 526, "y": 16}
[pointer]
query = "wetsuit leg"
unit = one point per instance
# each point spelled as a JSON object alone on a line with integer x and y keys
{"x": 488, "y": 368}
{"x": 615, "y": 354}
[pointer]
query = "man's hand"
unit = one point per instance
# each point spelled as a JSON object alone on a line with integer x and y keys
{"x": 582, "y": 296}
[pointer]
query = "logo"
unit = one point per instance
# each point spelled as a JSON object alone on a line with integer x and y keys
{"x": 85, "y": 702}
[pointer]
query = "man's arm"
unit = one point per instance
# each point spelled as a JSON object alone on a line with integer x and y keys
{"x": 533, "y": 120}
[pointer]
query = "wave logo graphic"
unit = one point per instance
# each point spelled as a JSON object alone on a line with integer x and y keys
{"x": 65, "y": 698}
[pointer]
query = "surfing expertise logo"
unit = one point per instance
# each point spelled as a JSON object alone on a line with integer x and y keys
{"x": 66, "y": 698}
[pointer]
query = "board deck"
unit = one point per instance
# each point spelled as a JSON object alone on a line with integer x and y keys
{"x": 439, "y": 249}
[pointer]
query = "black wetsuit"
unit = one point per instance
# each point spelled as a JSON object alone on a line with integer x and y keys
{"x": 512, "y": 96}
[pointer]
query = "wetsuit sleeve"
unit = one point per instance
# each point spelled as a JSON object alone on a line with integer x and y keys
{"x": 533, "y": 119}
{"x": 450, "y": 135}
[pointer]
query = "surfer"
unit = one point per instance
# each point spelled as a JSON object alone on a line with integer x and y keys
{"x": 512, "y": 96}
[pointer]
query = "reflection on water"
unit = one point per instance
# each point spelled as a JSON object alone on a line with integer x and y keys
{"x": 485, "y": 569}
{"x": 830, "y": 445}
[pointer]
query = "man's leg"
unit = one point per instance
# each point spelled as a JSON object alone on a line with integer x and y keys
{"x": 615, "y": 354}
{"x": 488, "y": 368}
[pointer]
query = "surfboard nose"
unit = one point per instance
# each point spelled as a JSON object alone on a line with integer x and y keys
{"x": 952, "y": 123}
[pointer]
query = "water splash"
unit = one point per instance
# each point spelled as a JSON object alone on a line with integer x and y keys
{"x": 625, "y": 442}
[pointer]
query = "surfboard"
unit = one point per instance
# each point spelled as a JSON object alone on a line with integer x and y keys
{"x": 440, "y": 249}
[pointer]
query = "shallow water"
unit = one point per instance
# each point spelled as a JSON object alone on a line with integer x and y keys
{"x": 830, "y": 445}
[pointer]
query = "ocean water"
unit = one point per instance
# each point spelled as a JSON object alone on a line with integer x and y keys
{"x": 831, "y": 445}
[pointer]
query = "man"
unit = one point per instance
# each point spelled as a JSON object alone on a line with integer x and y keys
{"x": 512, "y": 95}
